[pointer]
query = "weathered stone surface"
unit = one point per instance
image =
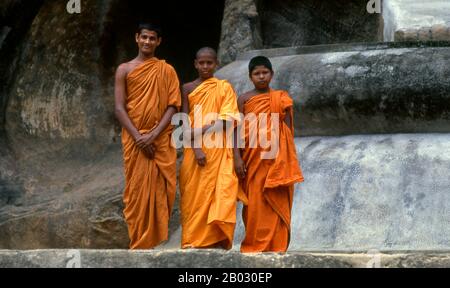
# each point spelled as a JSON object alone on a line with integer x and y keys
{"x": 214, "y": 259}
{"x": 360, "y": 89}
{"x": 11, "y": 188}
{"x": 312, "y": 22}
{"x": 383, "y": 192}
{"x": 241, "y": 29}
{"x": 415, "y": 20}
{"x": 71, "y": 200}
{"x": 60, "y": 172}
{"x": 15, "y": 19}
{"x": 59, "y": 93}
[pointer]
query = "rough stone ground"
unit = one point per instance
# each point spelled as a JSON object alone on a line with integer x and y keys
{"x": 216, "y": 259}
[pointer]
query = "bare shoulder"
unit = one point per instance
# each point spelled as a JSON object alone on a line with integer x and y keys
{"x": 246, "y": 96}
{"x": 122, "y": 69}
{"x": 189, "y": 87}
{"x": 125, "y": 68}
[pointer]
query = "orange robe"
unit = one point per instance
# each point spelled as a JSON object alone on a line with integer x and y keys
{"x": 209, "y": 193}
{"x": 269, "y": 182}
{"x": 150, "y": 185}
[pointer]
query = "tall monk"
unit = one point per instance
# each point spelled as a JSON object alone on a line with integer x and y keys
{"x": 147, "y": 94}
{"x": 267, "y": 179}
{"x": 208, "y": 183}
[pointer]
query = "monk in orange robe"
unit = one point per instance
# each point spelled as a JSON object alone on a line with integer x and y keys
{"x": 208, "y": 183}
{"x": 147, "y": 94}
{"x": 268, "y": 182}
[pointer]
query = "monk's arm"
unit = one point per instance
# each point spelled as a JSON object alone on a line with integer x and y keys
{"x": 120, "y": 103}
{"x": 239, "y": 165}
{"x": 200, "y": 156}
{"x": 166, "y": 119}
{"x": 287, "y": 118}
{"x": 185, "y": 100}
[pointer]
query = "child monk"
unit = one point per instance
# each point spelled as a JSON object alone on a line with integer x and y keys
{"x": 208, "y": 183}
{"x": 147, "y": 95}
{"x": 268, "y": 183}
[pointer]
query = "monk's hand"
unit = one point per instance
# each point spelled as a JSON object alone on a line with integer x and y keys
{"x": 200, "y": 156}
{"x": 149, "y": 151}
{"x": 195, "y": 133}
{"x": 146, "y": 139}
{"x": 239, "y": 167}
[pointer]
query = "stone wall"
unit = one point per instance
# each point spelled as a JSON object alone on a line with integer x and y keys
{"x": 60, "y": 163}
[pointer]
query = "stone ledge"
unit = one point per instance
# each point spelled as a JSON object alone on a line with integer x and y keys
{"x": 216, "y": 259}
{"x": 342, "y": 47}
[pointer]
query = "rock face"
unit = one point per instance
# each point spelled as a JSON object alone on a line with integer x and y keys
{"x": 415, "y": 20}
{"x": 312, "y": 22}
{"x": 15, "y": 19}
{"x": 63, "y": 103}
{"x": 361, "y": 89}
{"x": 241, "y": 29}
{"x": 250, "y": 24}
{"x": 60, "y": 174}
{"x": 383, "y": 192}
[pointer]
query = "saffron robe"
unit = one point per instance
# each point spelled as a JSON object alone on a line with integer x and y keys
{"x": 150, "y": 185}
{"x": 209, "y": 193}
{"x": 269, "y": 183}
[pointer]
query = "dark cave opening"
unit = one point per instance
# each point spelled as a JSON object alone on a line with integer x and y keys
{"x": 186, "y": 28}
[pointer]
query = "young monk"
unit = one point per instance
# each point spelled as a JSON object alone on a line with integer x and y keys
{"x": 267, "y": 183}
{"x": 147, "y": 95}
{"x": 208, "y": 183}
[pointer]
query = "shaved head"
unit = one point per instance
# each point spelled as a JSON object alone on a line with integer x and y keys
{"x": 206, "y": 50}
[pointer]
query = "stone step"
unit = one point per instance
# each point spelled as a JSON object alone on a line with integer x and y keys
{"x": 217, "y": 259}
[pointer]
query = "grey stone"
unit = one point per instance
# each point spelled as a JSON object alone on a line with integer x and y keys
{"x": 241, "y": 29}
{"x": 64, "y": 202}
{"x": 312, "y": 22}
{"x": 382, "y": 192}
{"x": 16, "y": 17}
{"x": 215, "y": 259}
{"x": 61, "y": 175}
